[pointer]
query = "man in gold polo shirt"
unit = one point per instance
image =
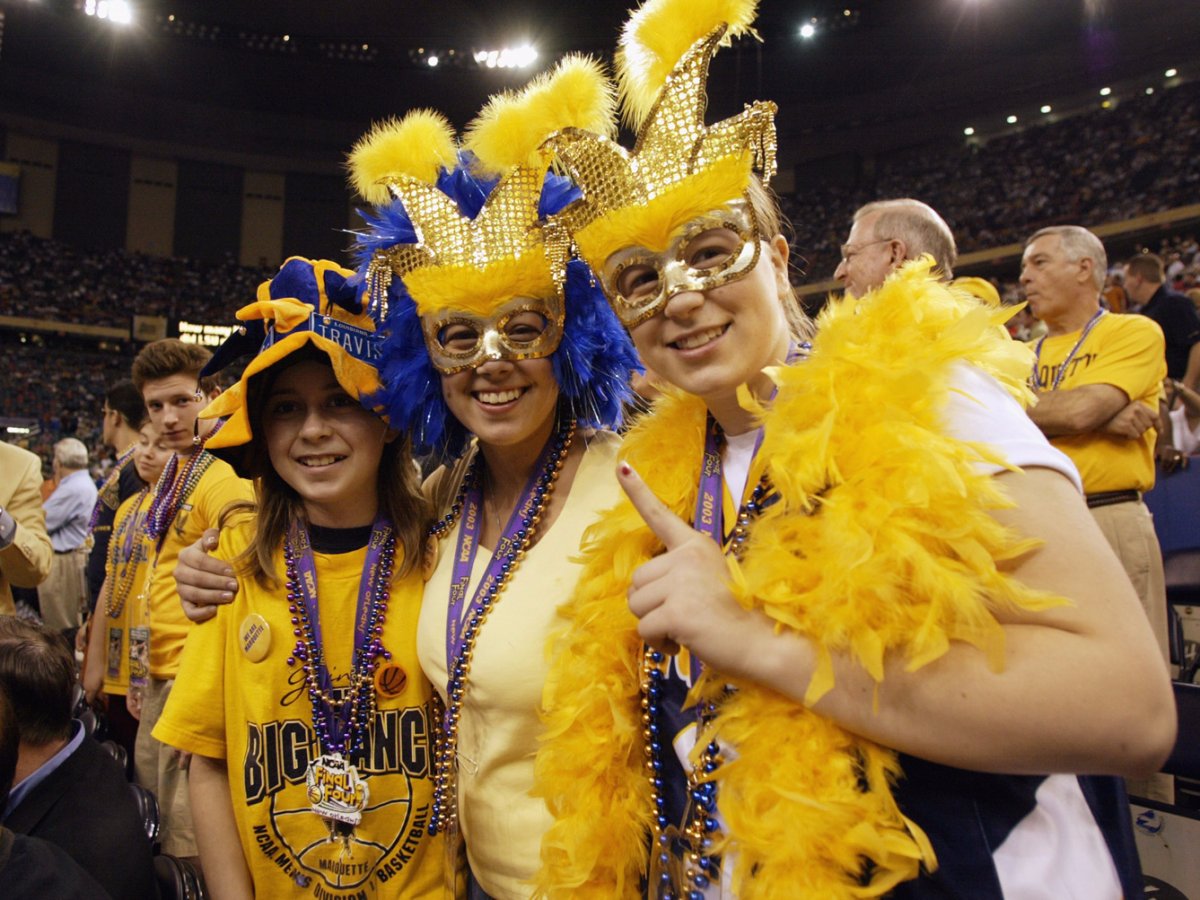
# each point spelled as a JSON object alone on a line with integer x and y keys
{"x": 1098, "y": 376}
{"x": 188, "y": 498}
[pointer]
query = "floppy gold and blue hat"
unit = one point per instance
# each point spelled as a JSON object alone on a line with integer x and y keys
{"x": 309, "y": 303}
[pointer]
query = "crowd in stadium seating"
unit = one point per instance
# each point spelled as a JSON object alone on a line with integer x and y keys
{"x": 1108, "y": 166}
{"x": 1120, "y": 164}
{"x": 45, "y": 279}
{"x": 62, "y": 390}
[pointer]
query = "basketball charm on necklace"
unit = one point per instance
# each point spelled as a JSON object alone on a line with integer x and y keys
{"x": 341, "y": 718}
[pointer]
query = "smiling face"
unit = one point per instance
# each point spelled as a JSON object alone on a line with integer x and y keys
{"x": 174, "y": 403}
{"x": 150, "y": 454}
{"x": 324, "y": 445}
{"x": 505, "y": 403}
{"x": 710, "y": 342}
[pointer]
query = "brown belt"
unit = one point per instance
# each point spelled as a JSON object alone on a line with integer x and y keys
{"x": 1108, "y": 498}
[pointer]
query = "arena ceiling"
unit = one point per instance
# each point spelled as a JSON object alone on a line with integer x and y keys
{"x": 302, "y": 78}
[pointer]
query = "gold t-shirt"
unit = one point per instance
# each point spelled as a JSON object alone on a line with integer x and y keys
{"x": 169, "y": 627}
{"x": 1127, "y": 352}
{"x": 257, "y": 716}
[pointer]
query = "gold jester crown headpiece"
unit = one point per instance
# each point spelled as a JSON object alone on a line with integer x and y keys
{"x": 505, "y": 258}
{"x": 679, "y": 168}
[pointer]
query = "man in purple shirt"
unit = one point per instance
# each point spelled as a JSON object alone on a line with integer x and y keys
{"x": 63, "y": 596}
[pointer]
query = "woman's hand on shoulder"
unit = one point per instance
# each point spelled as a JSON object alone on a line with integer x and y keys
{"x": 203, "y": 581}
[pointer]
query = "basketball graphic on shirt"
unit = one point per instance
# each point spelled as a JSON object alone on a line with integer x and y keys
{"x": 327, "y": 856}
{"x": 342, "y": 860}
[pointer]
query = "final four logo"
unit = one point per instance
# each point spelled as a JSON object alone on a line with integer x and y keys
{"x": 335, "y": 790}
{"x": 368, "y": 796}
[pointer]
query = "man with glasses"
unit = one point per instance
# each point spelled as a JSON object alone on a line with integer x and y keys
{"x": 887, "y": 233}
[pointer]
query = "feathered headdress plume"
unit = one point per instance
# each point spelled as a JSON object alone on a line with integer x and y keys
{"x": 468, "y": 237}
{"x": 657, "y": 36}
{"x": 478, "y": 262}
{"x": 679, "y": 168}
{"x": 420, "y": 145}
{"x": 510, "y": 130}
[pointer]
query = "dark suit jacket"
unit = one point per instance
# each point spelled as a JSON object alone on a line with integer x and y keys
{"x": 85, "y": 807}
{"x": 33, "y": 869}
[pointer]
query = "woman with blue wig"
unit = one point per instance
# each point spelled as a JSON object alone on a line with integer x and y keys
{"x": 506, "y": 365}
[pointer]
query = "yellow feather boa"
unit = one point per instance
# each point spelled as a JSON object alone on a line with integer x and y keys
{"x": 882, "y": 544}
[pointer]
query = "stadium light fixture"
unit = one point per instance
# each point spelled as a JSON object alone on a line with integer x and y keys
{"x": 1105, "y": 91}
{"x": 508, "y": 57}
{"x": 1011, "y": 120}
{"x": 1149, "y": 91}
{"x": 119, "y": 12}
{"x": 433, "y": 61}
{"x": 1170, "y": 73}
{"x": 1046, "y": 107}
{"x": 808, "y": 30}
{"x": 968, "y": 131}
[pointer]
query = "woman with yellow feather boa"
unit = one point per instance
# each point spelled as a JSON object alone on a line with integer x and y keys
{"x": 850, "y": 586}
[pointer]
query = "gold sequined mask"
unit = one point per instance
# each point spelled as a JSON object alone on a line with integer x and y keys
{"x": 711, "y": 250}
{"x": 523, "y": 328}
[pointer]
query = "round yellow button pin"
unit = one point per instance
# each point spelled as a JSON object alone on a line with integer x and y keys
{"x": 255, "y": 637}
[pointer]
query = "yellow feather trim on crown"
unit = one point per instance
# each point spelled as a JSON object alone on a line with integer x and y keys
{"x": 480, "y": 289}
{"x": 658, "y": 33}
{"x": 882, "y": 543}
{"x": 654, "y": 223}
{"x": 418, "y": 145}
{"x": 511, "y": 127}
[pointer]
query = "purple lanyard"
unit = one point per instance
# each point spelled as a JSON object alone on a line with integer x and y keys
{"x": 468, "y": 545}
{"x": 709, "y": 508}
{"x": 709, "y": 516}
{"x": 306, "y": 586}
{"x": 133, "y": 524}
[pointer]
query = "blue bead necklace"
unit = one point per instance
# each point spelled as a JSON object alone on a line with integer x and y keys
{"x": 701, "y": 867}
{"x": 340, "y": 719}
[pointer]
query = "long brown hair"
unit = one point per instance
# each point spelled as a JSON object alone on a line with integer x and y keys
{"x": 277, "y": 504}
{"x": 771, "y": 222}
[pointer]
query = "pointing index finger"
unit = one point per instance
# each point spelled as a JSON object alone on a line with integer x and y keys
{"x": 668, "y": 527}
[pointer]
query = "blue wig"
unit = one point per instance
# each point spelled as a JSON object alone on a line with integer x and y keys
{"x": 592, "y": 363}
